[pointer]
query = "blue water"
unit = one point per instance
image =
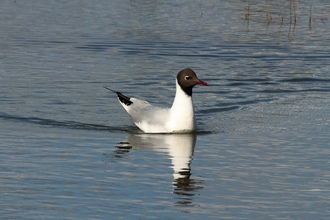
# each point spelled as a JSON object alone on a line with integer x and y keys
{"x": 69, "y": 151}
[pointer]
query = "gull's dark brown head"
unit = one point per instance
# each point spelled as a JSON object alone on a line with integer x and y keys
{"x": 187, "y": 79}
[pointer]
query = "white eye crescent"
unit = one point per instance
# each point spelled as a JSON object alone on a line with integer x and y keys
{"x": 186, "y": 77}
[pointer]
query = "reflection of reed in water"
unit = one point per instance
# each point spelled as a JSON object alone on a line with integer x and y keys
{"x": 180, "y": 148}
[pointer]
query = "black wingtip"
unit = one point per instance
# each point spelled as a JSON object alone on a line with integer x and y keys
{"x": 109, "y": 89}
{"x": 122, "y": 98}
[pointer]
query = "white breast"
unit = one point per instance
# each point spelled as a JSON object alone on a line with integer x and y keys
{"x": 182, "y": 115}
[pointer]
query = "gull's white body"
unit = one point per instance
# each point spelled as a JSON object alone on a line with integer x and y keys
{"x": 179, "y": 118}
{"x": 151, "y": 119}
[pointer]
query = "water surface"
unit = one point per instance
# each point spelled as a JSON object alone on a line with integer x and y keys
{"x": 69, "y": 151}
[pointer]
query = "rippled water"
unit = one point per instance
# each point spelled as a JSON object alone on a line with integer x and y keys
{"x": 69, "y": 151}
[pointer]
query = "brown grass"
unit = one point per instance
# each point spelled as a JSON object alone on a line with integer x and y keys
{"x": 280, "y": 8}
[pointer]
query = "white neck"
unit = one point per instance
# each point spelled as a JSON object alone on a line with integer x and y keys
{"x": 182, "y": 114}
{"x": 181, "y": 100}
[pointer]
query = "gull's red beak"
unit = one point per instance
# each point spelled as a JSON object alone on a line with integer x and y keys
{"x": 202, "y": 83}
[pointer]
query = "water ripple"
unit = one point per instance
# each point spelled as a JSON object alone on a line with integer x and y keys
{"x": 66, "y": 124}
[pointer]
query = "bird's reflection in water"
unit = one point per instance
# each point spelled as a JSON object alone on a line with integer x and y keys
{"x": 180, "y": 148}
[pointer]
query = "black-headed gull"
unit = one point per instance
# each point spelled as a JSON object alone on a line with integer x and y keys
{"x": 180, "y": 118}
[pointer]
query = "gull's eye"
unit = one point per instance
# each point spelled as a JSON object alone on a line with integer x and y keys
{"x": 186, "y": 77}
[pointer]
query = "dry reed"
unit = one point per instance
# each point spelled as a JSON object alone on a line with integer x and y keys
{"x": 294, "y": 12}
